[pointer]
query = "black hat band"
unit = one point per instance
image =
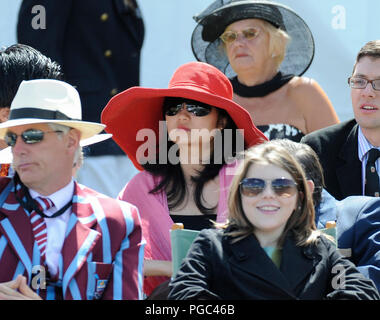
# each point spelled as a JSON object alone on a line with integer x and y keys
{"x": 23, "y": 113}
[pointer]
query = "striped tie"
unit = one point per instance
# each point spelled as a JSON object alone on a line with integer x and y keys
{"x": 39, "y": 225}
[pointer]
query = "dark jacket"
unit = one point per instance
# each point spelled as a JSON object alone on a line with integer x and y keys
{"x": 97, "y": 43}
{"x": 358, "y": 234}
{"x": 337, "y": 149}
{"x": 217, "y": 269}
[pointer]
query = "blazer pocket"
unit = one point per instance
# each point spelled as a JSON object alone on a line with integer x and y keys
{"x": 98, "y": 274}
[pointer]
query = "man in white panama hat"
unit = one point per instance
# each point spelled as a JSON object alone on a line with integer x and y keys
{"x": 60, "y": 239}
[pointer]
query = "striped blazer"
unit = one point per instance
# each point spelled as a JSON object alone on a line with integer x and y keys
{"x": 102, "y": 254}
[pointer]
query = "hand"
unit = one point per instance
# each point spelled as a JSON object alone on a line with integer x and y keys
{"x": 157, "y": 268}
{"x": 17, "y": 290}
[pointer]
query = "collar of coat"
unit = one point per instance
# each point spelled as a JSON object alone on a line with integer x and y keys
{"x": 296, "y": 262}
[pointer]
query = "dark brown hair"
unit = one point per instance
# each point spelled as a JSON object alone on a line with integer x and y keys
{"x": 370, "y": 49}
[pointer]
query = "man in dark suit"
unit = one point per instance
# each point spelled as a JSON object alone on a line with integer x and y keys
{"x": 98, "y": 45}
{"x": 358, "y": 234}
{"x": 344, "y": 149}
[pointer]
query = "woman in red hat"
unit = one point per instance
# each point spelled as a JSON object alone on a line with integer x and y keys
{"x": 265, "y": 48}
{"x": 183, "y": 138}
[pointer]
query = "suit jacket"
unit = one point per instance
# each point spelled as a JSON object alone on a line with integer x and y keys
{"x": 215, "y": 268}
{"x": 337, "y": 149}
{"x": 358, "y": 234}
{"x": 102, "y": 254}
{"x": 97, "y": 43}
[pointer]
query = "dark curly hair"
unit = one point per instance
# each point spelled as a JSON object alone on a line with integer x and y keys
{"x": 21, "y": 62}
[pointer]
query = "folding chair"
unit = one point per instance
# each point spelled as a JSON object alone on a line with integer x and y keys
{"x": 181, "y": 240}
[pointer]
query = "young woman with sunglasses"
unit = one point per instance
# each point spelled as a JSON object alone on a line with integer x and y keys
{"x": 182, "y": 179}
{"x": 264, "y": 48}
{"x": 269, "y": 248}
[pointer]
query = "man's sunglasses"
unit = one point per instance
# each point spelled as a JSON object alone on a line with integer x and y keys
{"x": 282, "y": 187}
{"x": 29, "y": 136}
{"x": 174, "y": 105}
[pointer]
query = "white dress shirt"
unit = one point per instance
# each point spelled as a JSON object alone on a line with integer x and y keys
{"x": 56, "y": 227}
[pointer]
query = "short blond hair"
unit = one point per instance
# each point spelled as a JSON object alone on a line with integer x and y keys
{"x": 278, "y": 41}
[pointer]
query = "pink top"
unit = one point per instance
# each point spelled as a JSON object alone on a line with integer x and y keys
{"x": 155, "y": 218}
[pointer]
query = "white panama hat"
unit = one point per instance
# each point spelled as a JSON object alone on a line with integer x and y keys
{"x": 49, "y": 101}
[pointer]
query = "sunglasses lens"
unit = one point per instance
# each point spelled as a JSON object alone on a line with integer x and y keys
{"x": 32, "y": 136}
{"x": 173, "y": 105}
{"x": 228, "y": 36}
{"x": 250, "y": 33}
{"x": 284, "y": 187}
{"x": 10, "y": 139}
{"x": 172, "y": 110}
{"x": 252, "y": 187}
{"x": 199, "y": 110}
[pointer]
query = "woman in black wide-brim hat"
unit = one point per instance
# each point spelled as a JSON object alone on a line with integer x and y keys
{"x": 264, "y": 48}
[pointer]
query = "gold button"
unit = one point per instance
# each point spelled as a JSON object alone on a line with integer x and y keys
{"x": 108, "y": 53}
{"x": 104, "y": 17}
{"x": 377, "y": 194}
{"x": 113, "y": 91}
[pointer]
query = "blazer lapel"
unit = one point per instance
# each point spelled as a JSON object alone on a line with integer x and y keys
{"x": 349, "y": 173}
{"x": 297, "y": 263}
{"x": 248, "y": 255}
{"x": 80, "y": 239}
{"x": 15, "y": 225}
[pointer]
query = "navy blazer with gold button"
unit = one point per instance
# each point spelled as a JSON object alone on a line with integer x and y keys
{"x": 97, "y": 43}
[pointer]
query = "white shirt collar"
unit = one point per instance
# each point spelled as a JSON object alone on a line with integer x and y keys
{"x": 60, "y": 197}
{"x": 363, "y": 145}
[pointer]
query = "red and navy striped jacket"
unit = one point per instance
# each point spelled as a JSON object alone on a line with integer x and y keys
{"x": 102, "y": 255}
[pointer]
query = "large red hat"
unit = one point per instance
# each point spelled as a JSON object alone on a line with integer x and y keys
{"x": 137, "y": 108}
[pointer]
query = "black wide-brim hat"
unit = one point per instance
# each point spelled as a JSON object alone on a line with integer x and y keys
{"x": 213, "y": 21}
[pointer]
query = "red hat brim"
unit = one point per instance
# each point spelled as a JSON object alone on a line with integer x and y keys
{"x": 137, "y": 108}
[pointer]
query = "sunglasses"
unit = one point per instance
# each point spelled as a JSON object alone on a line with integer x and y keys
{"x": 282, "y": 187}
{"x": 29, "y": 136}
{"x": 174, "y": 105}
{"x": 231, "y": 36}
{"x": 361, "y": 83}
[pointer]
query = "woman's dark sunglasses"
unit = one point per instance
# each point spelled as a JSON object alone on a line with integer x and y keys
{"x": 29, "y": 136}
{"x": 282, "y": 187}
{"x": 174, "y": 105}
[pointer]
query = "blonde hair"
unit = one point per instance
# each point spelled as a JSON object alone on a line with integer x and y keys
{"x": 278, "y": 41}
{"x": 301, "y": 222}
